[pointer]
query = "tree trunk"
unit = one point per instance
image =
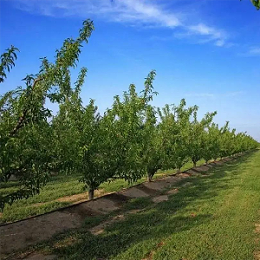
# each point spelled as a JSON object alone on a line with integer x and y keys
{"x": 179, "y": 170}
{"x": 151, "y": 174}
{"x": 194, "y": 164}
{"x": 91, "y": 194}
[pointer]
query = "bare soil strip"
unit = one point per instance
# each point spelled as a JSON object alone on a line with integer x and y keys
{"x": 160, "y": 198}
{"x": 74, "y": 199}
{"x": 99, "y": 229}
{"x": 28, "y": 232}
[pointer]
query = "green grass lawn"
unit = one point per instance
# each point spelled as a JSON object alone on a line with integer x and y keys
{"x": 213, "y": 218}
{"x": 60, "y": 186}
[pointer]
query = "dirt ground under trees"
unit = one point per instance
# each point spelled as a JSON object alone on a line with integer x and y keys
{"x": 22, "y": 234}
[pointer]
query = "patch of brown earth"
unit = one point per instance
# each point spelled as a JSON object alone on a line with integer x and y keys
{"x": 257, "y": 228}
{"x": 80, "y": 197}
{"x": 147, "y": 190}
{"x": 186, "y": 184}
{"x": 134, "y": 193}
{"x": 184, "y": 175}
{"x": 99, "y": 229}
{"x": 67, "y": 241}
{"x": 228, "y": 159}
{"x": 158, "y": 185}
{"x": 202, "y": 168}
{"x": 159, "y": 199}
{"x": 82, "y": 211}
{"x": 193, "y": 172}
{"x": 257, "y": 256}
{"x": 76, "y": 198}
{"x": 134, "y": 211}
{"x": 219, "y": 163}
{"x": 118, "y": 198}
{"x": 172, "y": 192}
{"x": 174, "y": 179}
{"x": 73, "y": 198}
{"x": 102, "y": 205}
{"x": 22, "y": 234}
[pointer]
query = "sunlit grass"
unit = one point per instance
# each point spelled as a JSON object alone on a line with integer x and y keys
{"x": 213, "y": 218}
{"x": 60, "y": 186}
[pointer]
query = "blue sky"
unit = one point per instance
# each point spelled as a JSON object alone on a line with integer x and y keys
{"x": 206, "y": 51}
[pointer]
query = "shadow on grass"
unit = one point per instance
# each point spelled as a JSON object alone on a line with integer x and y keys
{"x": 139, "y": 234}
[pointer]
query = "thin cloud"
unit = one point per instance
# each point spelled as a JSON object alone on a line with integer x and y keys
{"x": 235, "y": 93}
{"x": 215, "y": 95}
{"x": 203, "y": 29}
{"x": 253, "y": 51}
{"x": 211, "y": 34}
{"x": 144, "y": 12}
{"x": 116, "y": 10}
{"x": 203, "y": 95}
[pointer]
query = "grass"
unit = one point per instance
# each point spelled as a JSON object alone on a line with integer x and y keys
{"x": 213, "y": 218}
{"x": 58, "y": 187}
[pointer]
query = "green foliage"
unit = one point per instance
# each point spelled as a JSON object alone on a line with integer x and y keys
{"x": 84, "y": 144}
{"x": 127, "y": 142}
{"x": 133, "y": 122}
{"x": 197, "y": 134}
{"x": 256, "y": 3}
{"x": 25, "y": 133}
{"x": 174, "y": 134}
{"x": 7, "y": 60}
{"x": 102, "y": 148}
{"x": 150, "y": 140}
{"x": 127, "y": 116}
{"x": 211, "y": 140}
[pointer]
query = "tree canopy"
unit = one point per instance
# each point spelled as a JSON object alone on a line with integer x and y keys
{"x": 129, "y": 140}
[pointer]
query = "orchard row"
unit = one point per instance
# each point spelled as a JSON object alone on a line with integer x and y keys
{"x": 130, "y": 140}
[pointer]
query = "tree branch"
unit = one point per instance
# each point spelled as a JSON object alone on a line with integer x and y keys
{"x": 23, "y": 116}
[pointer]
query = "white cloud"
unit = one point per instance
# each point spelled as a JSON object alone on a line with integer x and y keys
{"x": 140, "y": 10}
{"x": 254, "y": 51}
{"x": 204, "y": 30}
{"x": 213, "y": 34}
{"x": 145, "y": 12}
{"x": 116, "y": 10}
{"x": 220, "y": 43}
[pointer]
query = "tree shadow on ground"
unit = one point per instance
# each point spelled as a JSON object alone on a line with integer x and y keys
{"x": 144, "y": 231}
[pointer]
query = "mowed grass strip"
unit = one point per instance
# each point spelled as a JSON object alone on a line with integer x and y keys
{"x": 58, "y": 187}
{"x": 212, "y": 218}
